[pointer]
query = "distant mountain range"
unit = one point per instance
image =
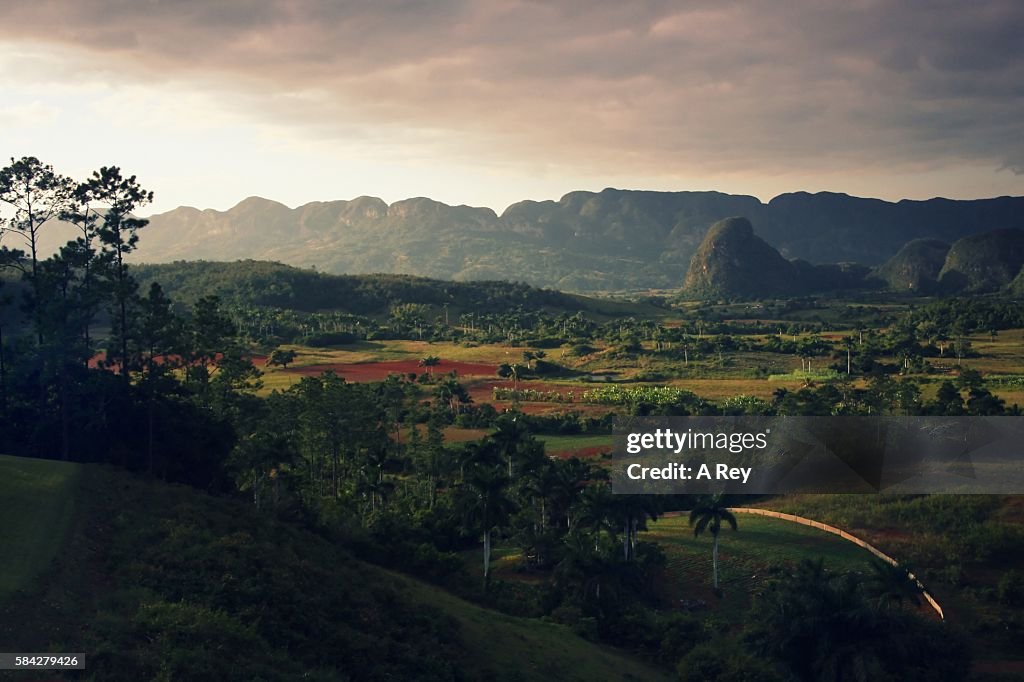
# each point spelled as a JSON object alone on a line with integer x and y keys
{"x": 586, "y": 241}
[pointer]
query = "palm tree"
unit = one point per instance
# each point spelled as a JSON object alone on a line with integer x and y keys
{"x": 487, "y": 505}
{"x": 515, "y": 373}
{"x": 892, "y": 584}
{"x": 708, "y": 515}
{"x": 430, "y": 362}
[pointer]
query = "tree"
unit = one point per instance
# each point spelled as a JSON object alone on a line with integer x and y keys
{"x": 513, "y": 372}
{"x": 282, "y": 357}
{"x": 4, "y": 300}
{"x": 531, "y": 356}
{"x": 118, "y": 236}
{"x": 632, "y": 512}
{"x": 961, "y": 343}
{"x": 892, "y": 584}
{"x": 708, "y": 515}
{"x": 486, "y": 506}
{"x": 948, "y": 400}
{"x": 451, "y": 393}
{"x": 35, "y": 194}
{"x": 159, "y": 334}
{"x": 824, "y": 626}
{"x": 430, "y": 362}
{"x": 849, "y": 343}
{"x": 87, "y": 220}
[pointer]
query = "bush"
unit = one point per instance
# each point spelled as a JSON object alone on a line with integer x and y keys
{"x": 323, "y": 339}
{"x": 1011, "y": 589}
{"x": 724, "y": 661}
{"x": 547, "y": 342}
{"x": 581, "y": 349}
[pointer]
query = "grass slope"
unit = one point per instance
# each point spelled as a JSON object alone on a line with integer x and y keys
{"x": 534, "y": 650}
{"x": 36, "y": 504}
{"x": 162, "y": 582}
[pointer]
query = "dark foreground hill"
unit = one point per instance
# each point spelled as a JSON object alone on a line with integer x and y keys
{"x": 162, "y": 582}
{"x": 586, "y": 241}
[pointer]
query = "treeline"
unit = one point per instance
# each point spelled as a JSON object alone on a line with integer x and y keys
{"x": 159, "y": 389}
{"x": 269, "y": 284}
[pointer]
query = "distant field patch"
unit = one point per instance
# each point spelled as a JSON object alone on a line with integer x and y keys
{"x": 717, "y": 389}
{"x": 378, "y": 371}
{"x": 483, "y": 353}
{"x": 454, "y": 434}
{"x": 806, "y": 375}
{"x": 582, "y": 446}
{"x": 36, "y": 504}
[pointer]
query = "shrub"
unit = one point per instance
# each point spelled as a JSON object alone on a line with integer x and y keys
{"x": 720, "y": 661}
{"x": 322, "y": 339}
{"x": 1011, "y": 589}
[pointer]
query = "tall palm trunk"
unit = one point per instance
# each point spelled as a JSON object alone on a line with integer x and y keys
{"x": 65, "y": 418}
{"x": 487, "y": 557}
{"x": 3, "y": 376}
{"x": 714, "y": 559}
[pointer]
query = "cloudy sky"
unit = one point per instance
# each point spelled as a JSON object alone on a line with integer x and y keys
{"x": 489, "y": 102}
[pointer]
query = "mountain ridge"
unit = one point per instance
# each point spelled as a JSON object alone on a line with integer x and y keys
{"x": 584, "y": 241}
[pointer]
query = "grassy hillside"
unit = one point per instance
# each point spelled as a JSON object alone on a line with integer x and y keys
{"x": 162, "y": 582}
{"x": 36, "y": 503}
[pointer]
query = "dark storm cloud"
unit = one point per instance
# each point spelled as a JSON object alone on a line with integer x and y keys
{"x": 643, "y": 86}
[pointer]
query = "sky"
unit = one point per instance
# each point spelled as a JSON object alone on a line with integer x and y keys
{"x": 491, "y": 102}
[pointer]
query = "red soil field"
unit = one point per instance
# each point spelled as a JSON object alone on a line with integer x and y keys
{"x": 378, "y": 371}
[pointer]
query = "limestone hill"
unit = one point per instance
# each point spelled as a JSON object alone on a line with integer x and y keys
{"x": 983, "y": 263}
{"x": 733, "y": 261}
{"x": 916, "y": 267}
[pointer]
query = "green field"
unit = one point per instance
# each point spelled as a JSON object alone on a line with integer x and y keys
{"x": 36, "y": 505}
{"x": 554, "y": 444}
{"x": 746, "y": 557}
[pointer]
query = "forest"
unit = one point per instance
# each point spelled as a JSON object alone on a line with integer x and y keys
{"x": 258, "y": 482}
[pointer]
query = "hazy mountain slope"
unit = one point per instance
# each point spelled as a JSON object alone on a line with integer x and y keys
{"x": 828, "y": 227}
{"x": 984, "y": 262}
{"x": 611, "y": 239}
{"x": 1016, "y": 287}
{"x": 916, "y": 267}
